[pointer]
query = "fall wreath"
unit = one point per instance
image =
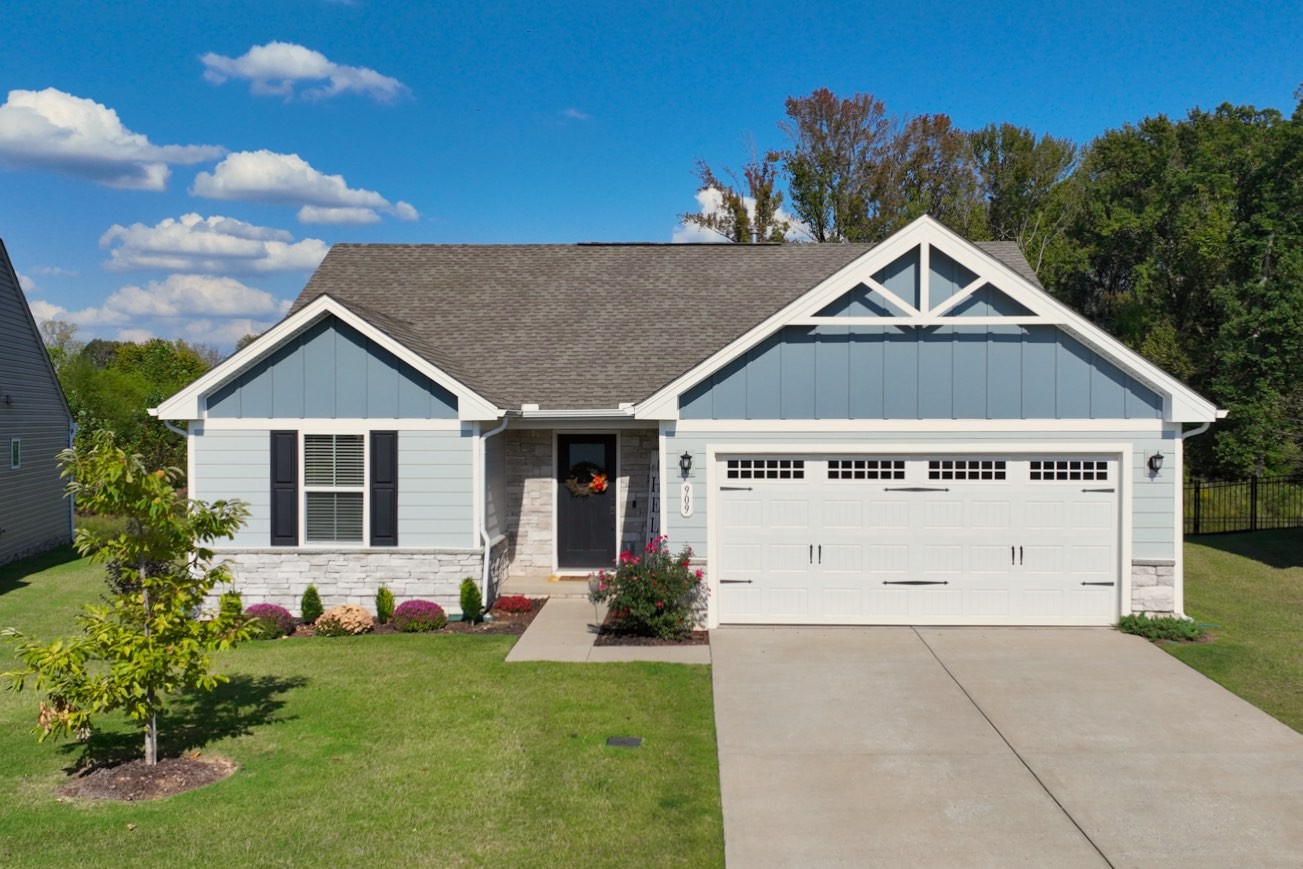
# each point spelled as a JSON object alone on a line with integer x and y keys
{"x": 586, "y": 479}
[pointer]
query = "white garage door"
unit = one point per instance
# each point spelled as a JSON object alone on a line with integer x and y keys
{"x": 944, "y": 539}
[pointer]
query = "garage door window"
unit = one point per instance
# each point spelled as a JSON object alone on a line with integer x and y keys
{"x": 866, "y": 469}
{"x": 966, "y": 469}
{"x": 1068, "y": 469}
{"x": 766, "y": 469}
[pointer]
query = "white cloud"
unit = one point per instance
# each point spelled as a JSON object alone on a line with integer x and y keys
{"x": 195, "y": 244}
{"x": 225, "y": 332}
{"x": 89, "y": 317}
{"x": 56, "y": 132}
{"x": 28, "y": 285}
{"x": 288, "y": 179}
{"x": 576, "y": 114}
{"x": 350, "y": 215}
{"x": 137, "y": 336}
{"x": 55, "y": 271}
{"x": 711, "y": 201}
{"x": 181, "y": 295}
{"x": 275, "y": 69}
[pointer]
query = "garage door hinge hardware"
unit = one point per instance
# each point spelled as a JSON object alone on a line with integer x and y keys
{"x": 735, "y": 488}
{"x": 1098, "y": 583}
{"x": 734, "y": 581}
{"x": 913, "y": 489}
{"x": 1097, "y": 490}
{"x": 915, "y": 582}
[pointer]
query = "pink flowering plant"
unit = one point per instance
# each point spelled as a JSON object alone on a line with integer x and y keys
{"x": 654, "y": 594}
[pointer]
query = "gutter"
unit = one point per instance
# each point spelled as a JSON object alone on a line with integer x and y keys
{"x": 484, "y": 517}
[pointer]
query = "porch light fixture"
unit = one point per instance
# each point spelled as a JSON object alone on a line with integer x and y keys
{"x": 685, "y": 463}
{"x": 1156, "y": 462}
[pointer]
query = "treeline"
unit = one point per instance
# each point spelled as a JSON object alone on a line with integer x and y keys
{"x": 1182, "y": 237}
{"x": 110, "y": 385}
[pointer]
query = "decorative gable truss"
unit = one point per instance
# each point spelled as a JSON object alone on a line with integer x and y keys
{"x": 926, "y": 277}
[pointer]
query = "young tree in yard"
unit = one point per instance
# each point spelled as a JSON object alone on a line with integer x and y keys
{"x": 146, "y": 643}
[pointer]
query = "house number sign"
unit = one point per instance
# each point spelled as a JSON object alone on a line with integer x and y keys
{"x": 685, "y": 500}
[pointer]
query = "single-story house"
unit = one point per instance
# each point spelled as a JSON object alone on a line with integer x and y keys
{"x": 35, "y": 425}
{"x": 907, "y": 432}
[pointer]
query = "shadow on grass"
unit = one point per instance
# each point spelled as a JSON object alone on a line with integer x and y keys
{"x": 1280, "y": 549}
{"x": 14, "y": 575}
{"x": 195, "y": 721}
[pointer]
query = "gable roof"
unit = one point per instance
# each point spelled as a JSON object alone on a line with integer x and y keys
{"x": 578, "y": 327}
{"x": 26, "y": 326}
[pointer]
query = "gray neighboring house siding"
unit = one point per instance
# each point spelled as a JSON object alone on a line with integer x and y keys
{"x": 34, "y": 515}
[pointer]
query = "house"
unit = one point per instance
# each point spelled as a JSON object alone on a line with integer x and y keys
{"x": 907, "y": 432}
{"x": 35, "y": 425}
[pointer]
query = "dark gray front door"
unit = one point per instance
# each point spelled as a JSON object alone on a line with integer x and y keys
{"x": 585, "y": 510}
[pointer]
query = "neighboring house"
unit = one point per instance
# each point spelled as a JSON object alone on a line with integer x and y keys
{"x": 35, "y": 425}
{"x": 911, "y": 432}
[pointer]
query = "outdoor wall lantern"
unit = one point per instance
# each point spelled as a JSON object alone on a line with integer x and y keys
{"x": 1156, "y": 462}
{"x": 685, "y": 463}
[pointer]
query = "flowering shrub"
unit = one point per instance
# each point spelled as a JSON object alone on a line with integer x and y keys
{"x": 414, "y": 616}
{"x": 514, "y": 604}
{"x": 655, "y": 594}
{"x": 270, "y": 622}
{"x": 347, "y": 618}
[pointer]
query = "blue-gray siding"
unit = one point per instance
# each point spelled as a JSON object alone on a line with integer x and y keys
{"x": 1153, "y": 499}
{"x": 888, "y": 372}
{"x": 332, "y": 371}
{"x": 434, "y": 484}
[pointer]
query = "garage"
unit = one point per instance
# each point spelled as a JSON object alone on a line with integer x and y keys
{"x": 938, "y": 539}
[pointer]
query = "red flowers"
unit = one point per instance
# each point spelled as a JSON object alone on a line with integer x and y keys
{"x": 598, "y": 483}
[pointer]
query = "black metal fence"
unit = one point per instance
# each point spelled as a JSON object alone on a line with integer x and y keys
{"x": 1255, "y": 504}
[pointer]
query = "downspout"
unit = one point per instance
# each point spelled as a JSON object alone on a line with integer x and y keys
{"x": 1194, "y": 432}
{"x": 72, "y": 499}
{"x": 484, "y": 518}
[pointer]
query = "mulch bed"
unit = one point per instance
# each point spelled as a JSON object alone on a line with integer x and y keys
{"x": 611, "y": 634}
{"x": 503, "y": 624}
{"x": 134, "y": 780}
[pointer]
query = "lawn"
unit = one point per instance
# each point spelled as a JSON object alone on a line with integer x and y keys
{"x": 398, "y": 749}
{"x": 1250, "y": 587}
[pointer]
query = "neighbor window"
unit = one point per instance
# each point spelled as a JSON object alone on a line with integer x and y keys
{"x": 16, "y": 452}
{"x": 334, "y": 486}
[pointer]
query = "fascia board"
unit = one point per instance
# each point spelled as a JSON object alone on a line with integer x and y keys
{"x": 188, "y": 403}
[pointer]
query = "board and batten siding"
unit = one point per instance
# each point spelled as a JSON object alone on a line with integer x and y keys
{"x": 1153, "y": 498}
{"x": 34, "y": 514}
{"x": 435, "y": 500}
{"x": 889, "y": 372}
{"x": 332, "y": 371}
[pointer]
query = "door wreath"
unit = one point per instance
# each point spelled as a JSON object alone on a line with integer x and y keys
{"x": 586, "y": 479}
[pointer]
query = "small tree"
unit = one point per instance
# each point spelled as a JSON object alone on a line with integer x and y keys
{"x": 146, "y": 643}
{"x": 472, "y": 605}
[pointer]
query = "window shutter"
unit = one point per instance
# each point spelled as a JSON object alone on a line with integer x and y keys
{"x": 284, "y": 488}
{"x": 384, "y": 488}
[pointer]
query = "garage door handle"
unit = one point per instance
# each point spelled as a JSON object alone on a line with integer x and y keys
{"x": 812, "y": 553}
{"x": 1098, "y": 583}
{"x": 1099, "y": 490}
{"x": 913, "y": 489}
{"x": 734, "y": 581}
{"x": 916, "y": 582}
{"x": 1020, "y": 555}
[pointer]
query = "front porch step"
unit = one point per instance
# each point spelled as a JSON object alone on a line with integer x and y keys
{"x": 540, "y": 586}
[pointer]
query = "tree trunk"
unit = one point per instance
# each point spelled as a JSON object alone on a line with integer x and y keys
{"x": 151, "y": 735}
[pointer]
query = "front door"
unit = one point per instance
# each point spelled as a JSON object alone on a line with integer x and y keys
{"x": 585, "y": 510}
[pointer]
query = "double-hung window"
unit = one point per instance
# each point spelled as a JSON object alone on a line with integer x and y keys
{"x": 334, "y": 488}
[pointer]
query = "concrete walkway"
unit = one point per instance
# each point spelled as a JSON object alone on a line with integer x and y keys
{"x": 567, "y": 628}
{"x": 993, "y": 747}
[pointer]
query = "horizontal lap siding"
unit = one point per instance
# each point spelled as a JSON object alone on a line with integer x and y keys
{"x": 33, "y": 510}
{"x": 1153, "y": 499}
{"x": 435, "y": 489}
{"x": 236, "y": 464}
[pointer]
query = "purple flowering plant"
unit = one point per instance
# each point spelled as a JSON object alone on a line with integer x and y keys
{"x": 270, "y": 621}
{"x": 418, "y": 616}
{"x": 655, "y": 594}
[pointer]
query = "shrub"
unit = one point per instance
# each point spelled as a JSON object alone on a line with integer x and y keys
{"x": 384, "y": 605}
{"x": 654, "y": 595}
{"x": 310, "y": 605}
{"x": 472, "y": 605}
{"x": 342, "y": 620}
{"x": 417, "y": 616}
{"x": 515, "y": 604}
{"x": 269, "y": 622}
{"x": 231, "y": 605}
{"x": 1161, "y": 628}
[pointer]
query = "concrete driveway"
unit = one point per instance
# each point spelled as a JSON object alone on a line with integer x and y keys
{"x": 993, "y": 747}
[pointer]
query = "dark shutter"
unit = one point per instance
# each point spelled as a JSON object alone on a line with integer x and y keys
{"x": 384, "y": 488}
{"x": 284, "y": 488}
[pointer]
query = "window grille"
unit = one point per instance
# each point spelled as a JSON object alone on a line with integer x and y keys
{"x": 966, "y": 469}
{"x": 1068, "y": 469}
{"x": 765, "y": 469}
{"x": 866, "y": 469}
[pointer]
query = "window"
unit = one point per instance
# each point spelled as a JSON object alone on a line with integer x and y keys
{"x": 15, "y": 452}
{"x": 966, "y": 469}
{"x": 1069, "y": 469}
{"x": 866, "y": 469}
{"x": 766, "y": 469}
{"x": 334, "y": 487}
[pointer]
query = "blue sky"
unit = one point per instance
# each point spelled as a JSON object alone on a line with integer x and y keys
{"x": 177, "y": 169}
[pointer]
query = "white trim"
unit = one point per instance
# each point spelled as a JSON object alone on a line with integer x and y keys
{"x": 1178, "y": 540}
{"x": 304, "y": 488}
{"x": 194, "y": 430}
{"x": 573, "y": 424}
{"x": 189, "y": 403}
{"x": 340, "y": 425}
{"x": 1181, "y": 404}
{"x": 614, "y": 487}
{"x": 662, "y": 441}
{"x": 924, "y": 320}
{"x": 532, "y": 412}
{"x": 868, "y": 426}
{"x": 1119, "y": 451}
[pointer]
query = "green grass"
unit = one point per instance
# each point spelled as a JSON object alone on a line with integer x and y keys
{"x": 1250, "y": 588}
{"x": 393, "y": 750}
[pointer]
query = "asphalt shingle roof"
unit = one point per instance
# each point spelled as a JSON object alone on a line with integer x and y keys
{"x": 576, "y": 326}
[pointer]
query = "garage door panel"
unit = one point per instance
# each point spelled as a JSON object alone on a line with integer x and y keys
{"x": 989, "y": 558}
{"x": 788, "y": 602}
{"x": 843, "y": 514}
{"x": 1042, "y": 559}
{"x": 786, "y": 558}
{"x": 943, "y": 515}
{"x": 842, "y": 558}
{"x": 936, "y": 602}
{"x": 988, "y": 602}
{"x": 943, "y": 558}
{"x": 736, "y": 513}
{"x": 1093, "y": 515}
{"x": 887, "y": 558}
{"x": 843, "y": 602}
{"x": 890, "y": 604}
{"x": 990, "y": 515}
{"x": 888, "y": 514}
{"x": 1045, "y": 515}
